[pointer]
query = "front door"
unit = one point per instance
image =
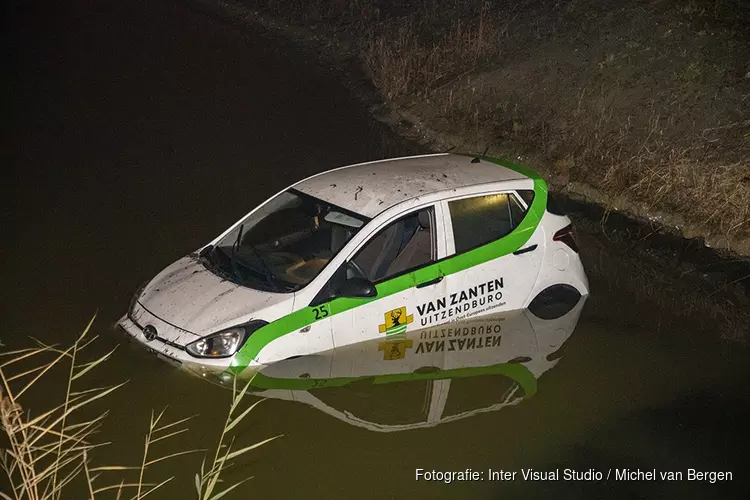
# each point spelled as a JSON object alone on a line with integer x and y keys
{"x": 401, "y": 260}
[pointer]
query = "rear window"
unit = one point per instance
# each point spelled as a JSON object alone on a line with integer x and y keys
{"x": 483, "y": 219}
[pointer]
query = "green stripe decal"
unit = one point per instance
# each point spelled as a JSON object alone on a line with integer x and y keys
{"x": 516, "y": 372}
{"x": 504, "y": 246}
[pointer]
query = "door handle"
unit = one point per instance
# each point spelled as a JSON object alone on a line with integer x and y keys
{"x": 525, "y": 250}
{"x": 431, "y": 282}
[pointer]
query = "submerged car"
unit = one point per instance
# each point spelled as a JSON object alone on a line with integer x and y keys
{"x": 363, "y": 252}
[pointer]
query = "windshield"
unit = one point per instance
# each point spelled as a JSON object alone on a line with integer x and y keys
{"x": 285, "y": 244}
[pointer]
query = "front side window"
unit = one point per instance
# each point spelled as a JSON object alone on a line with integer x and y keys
{"x": 284, "y": 245}
{"x": 483, "y": 219}
{"x": 403, "y": 245}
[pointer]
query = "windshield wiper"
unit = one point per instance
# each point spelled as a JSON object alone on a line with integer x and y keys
{"x": 205, "y": 255}
{"x": 232, "y": 262}
{"x": 266, "y": 272}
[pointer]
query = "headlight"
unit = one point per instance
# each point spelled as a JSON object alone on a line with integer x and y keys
{"x": 223, "y": 344}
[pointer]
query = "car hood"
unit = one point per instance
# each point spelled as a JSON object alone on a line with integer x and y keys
{"x": 192, "y": 298}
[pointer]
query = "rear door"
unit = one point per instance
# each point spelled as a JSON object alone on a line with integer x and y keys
{"x": 487, "y": 274}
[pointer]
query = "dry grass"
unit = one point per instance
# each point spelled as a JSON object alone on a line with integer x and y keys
{"x": 402, "y": 61}
{"x": 692, "y": 181}
{"x": 702, "y": 176}
{"x": 712, "y": 195}
{"x": 407, "y": 46}
{"x": 49, "y": 450}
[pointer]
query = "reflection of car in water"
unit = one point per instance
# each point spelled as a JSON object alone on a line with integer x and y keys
{"x": 426, "y": 377}
{"x": 361, "y": 254}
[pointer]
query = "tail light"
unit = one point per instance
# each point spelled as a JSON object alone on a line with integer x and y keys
{"x": 565, "y": 235}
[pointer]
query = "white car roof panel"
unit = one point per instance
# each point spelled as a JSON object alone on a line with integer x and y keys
{"x": 369, "y": 188}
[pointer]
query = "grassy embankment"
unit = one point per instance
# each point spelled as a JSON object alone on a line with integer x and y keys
{"x": 641, "y": 105}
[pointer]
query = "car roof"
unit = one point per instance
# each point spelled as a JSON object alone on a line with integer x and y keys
{"x": 369, "y": 188}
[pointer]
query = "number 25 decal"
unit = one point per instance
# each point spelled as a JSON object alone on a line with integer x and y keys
{"x": 320, "y": 312}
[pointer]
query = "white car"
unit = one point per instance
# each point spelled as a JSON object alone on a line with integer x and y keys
{"x": 363, "y": 252}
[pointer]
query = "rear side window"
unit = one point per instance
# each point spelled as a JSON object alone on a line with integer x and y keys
{"x": 526, "y": 195}
{"x": 517, "y": 211}
{"x": 483, "y": 219}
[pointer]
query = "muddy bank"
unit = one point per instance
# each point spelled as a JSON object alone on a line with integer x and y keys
{"x": 642, "y": 108}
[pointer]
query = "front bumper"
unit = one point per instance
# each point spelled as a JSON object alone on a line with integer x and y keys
{"x": 172, "y": 352}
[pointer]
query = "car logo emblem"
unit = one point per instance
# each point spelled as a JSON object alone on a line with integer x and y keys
{"x": 150, "y": 332}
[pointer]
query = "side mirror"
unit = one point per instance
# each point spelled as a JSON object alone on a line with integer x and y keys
{"x": 357, "y": 287}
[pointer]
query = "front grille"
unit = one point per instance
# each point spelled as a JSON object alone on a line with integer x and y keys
{"x": 158, "y": 337}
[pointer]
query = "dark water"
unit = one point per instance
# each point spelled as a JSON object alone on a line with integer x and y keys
{"x": 142, "y": 129}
